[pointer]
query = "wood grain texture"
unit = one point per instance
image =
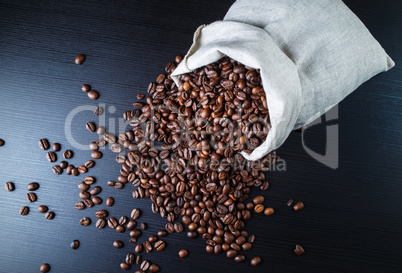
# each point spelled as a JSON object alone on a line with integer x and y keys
{"x": 353, "y": 215}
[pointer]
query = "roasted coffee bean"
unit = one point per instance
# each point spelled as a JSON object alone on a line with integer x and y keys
{"x": 135, "y": 214}
{"x": 162, "y": 233}
{"x": 75, "y": 244}
{"x": 101, "y": 130}
{"x": 192, "y": 234}
{"x": 44, "y": 268}
{"x": 147, "y": 246}
{"x": 88, "y": 203}
{"x": 75, "y": 172}
{"x": 51, "y": 156}
{"x": 89, "y": 164}
{"x": 84, "y": 195}
{"x": 240, "y": 259}
{"x": 44, "y": 144}
{"x": 135, "y": 233}
{"x": 269, "y": 211}
{"x": 69, "y": 169}
{"x": 79, "y": 59}
{"x": 138, "y": 249}
{"x": 83, "y": 186}
{"x": 118, "y": 244}
{"x": 91, "y": 126}
{"x": 56, "y": 147}
{"x": 96, "y": 155}
{"x": 178, "y": 227}
{"x": 231, "y": 253}
{"x": 68, "y": 154}
{"x": 144, "y": 226}
{"x": 298, "y": 206}
{"x": 153, "y": 268}
{"x": 247, "y": 246}
{"x": 140, "y": 96}
{"x": 95, "y": 190}
{"x": 299, "y": 250}
{"x": 24, "y": 210}
{"x": 251, "y": 239}
{"x": 109, "y": 201}
{"x": 85, "y": 221}
{"x": 57, "y": 169}
{"x": 145, "y": 265}
{"x": 101, "y": 214}
{"x": 89, "y": 180}
{"x": 82, "y": 169}
{"x": 112, "y": 222}
{"x": 131, "y": 224}
{"x": 110, "y": 138}
{"x": 120, "y": 229}
{"x": 49, "y": 215}
{"x": 93, "y": 95}
{"x": 85, "y": 87}
{"x": 258, "y": 199}
{"x": 31, "y": 197}
{"x": 119, "y": 185}
{"x": 100, "y": 223}
{"x": 289, "y": 202}
{"x": 259, "y": 208}
{"x": 9, "y": 186}
{"x": 42, "y": 209}
{"x": 130, "y": 258}
{"x": 98, "y": 111}
{"x": 183, "y": 253}
{"x": 96, "y": 200}
{"x": 125, "y": 266}
{"x": 255, "y": 261}
{"x": 33, "y": 186}
{"x": 63, "y": 164}
{"x": 1, "y": 142}
{"x": 79, "y": 205}
{"x": 115, "y": 148}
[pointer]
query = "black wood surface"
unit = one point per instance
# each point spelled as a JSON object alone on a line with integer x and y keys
{"x": 353, "y": 216}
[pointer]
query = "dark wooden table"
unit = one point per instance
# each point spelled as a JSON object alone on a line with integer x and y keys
{"x": 353, "y": 216}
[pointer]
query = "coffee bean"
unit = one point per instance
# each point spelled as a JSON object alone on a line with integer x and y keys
{"x": 258, "y": 199}
{"x": 79, "y": 59}
{"x": 140, "y": 96}
{"x": 298, "y": 206}
{"x": 109, "y": 201}
{"x": 289, "y": 202}
{"x": 79, "y": 205}
{"x": 75, "y": 244}
{"x": 24, "y": 210}
{"x": 131, "y": 224}
{"x": 97, "y": 200}
{"x": 118, "y": 244}
{"x": 231, "y": 253}
{"x": 247, "y": 246}
{"x": 83, "y": 186}
{"x": 98, "y": 111}
{"x": 57, "y": 169}
{"x": 31, "y": 197}
{"x": 125, "y": 266}
{"x": 183, "y": 253}
{"x": 44, "y": 268}
{"x": 101, "y": 214}
{"x": 49, "y": 215}
{"x": 100, "y": 223}
{"x": 89, "y": 164}
{"x": 192, "y": 234}
{"x": 95, "y": 190}
{"x": 89, "y": 180}
{"x": 69, "y": 169}
{"x": 63, "y": 164}
{"x": 68, "y": 154}
{"x": 93, "y": 95}
{"x": 42, "y": 209}
{"x": 91, "y": 126}
{"x": 145, "y": 265}
{"x": 85, "y": 87}
{"x": 251, "y": 239}
{"x": 9, "y": 186}
{"x": 255, "y": 261}
{"x": 112, "y": 223}
{"x": 240, "y": 259}
{"x": 144, "y": 226}
{"x": 135, "y": 214}
{"x": 84, "y": 195}
{"x": 153, "y": 268}
{"x": 269, "y": 211}
{"x": 135, "y": 233}
{"x": 178, "y": 227}
{"x": 101, "y": 130}
{"x": 85, "y": 221}
{"x": 88, "y": 203}
{"x": 110, "y": 138}
{"x": 82, "y": 169}
{"x": 259, "y": 208}
{"x": 162, "y": 233}
{"x": 138, "y": 249}
{"x": 75, "y": 172}
{"x": 96, "y": 155}
{"x": 119, "y": 185}
{"x": 1, "y": 142}
{"x": 51, "y": 156}
{"x": 299, "y": 250}
{"x": 44, "y": 144}
{"x": 56, "y": 147}
{"x": 130, "y": 258}
{"x": 160, "y": 245}
{"x": 120, "y": 229}
{"x": 147, "y": 246}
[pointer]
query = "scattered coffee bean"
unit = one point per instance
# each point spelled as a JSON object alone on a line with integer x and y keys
{"x": 96, "y": 155}
{"x": 89, "y": 164}
{"x": 44, "y": 144}
{"x": 130, "y": 258}
{"x": 138, "y": 249}
{"x": 100, "y": 223}
{"x": 88, "y": 203}
{"x": 160, "y": 245}
{"x": 255, "y": 261}
{"x": 240, "y": 259}
{"x": 101, "y": 214}
{"x": 258, "y": 200}
{"x": 43, "y": 209}
{"x": 135, "y": 233}
{"x": 131, "y": 224}
{"x": 147, "y": 246}
{"x": 135, "y": 214}
{"x": 120, "y": 229}
{"x": 101, "y": 130}
{"x": 125, "y": 266}
{"x": 145, "y": 265}
{"x": 68, "y": 154}
{"x": 63, "y": 164}
{"x": 112, "y": 222}
{"x": 122, "y": 220}
{"x": 33, "y": 186}
{"x": 82, "y": 169}
{"x": 9, "y": 186}
{"x": 183, "y": 253}
{"x": 153, "y": 268}
{"x": 144, "y": 226}
{"x": 91, "y": 126}
{"x": 89, "y": 180}
{"x": 298, "y": 206}
{"x": 31, "y": 197}
{"x": 49, "y": 215}
{"x": 299, "y": 250}
{"x": 85, "y": 221}
{"x": 24, "y": 210}
{"x": 75, "y": 244}
{"x": 56, "y": 147}
{"x": 95, "y": 190}
{"x": 269, "y": 211}
{"x": 79, "y": 205}
{"x": 51, "y": 156}
{"x": 57, "y": 169}
{"x": 85, "y": 87}
{"x": 118, "y": 244}
{"x": 44, "y": 268}
{"x": 93, "y": 146}
{"x": 138, "y": 259}
{"x": 98, "y": 111}
{"x": 109, "y": 201}
{"x": 75, "y": 172}
{"x": 162, "y": 233}
{"x": 140, "y": 96}
{"x": 93, "y": 95}
{"x": 97, "y": 200}
{"x": 80, "y": 59}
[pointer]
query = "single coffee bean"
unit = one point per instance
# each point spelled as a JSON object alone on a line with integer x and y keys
{"x": 75, "y": 244}
{"x": 33, "y": 186}
{"x": 289, "y": 202}
{"x": 75, "y": 172}
{"x": 192, "y": 234}
{"x": 98, "y": 111}
{"x": 147, "y": 246}
{"x": 9, "y": 186}
{"x": 178, "y": 227}
{"x": 160, "y": 245}
{"x": 258, "y": 199}
{"x": 231, "y": 253}
{"x": 79, "y": 59}
{"x": 247, "y": 246}
{"x": 57, "y": 169}
{"x": 183, "y": 253}
{"x": 101, "y": 214}
{"x": 63, "y": 164}
{"x": 31, "y": 197}
{"x": 298, "y": 206}
{"x": 251, "y": 239}
{"x": 24, "y": 210}
{"x": 153, "y": 268}
{"x": 144, "y": 226}
{"x": 89, "y": 164}
{"x": 56, "y": 147}
{"x": 89, "y": 180}
{"x": 299, "y": 250}
{"x": 269, "y": 211}
{"x": 88, "y": 203}
{"x": 100, "y": 223}
{"x": 118, "y": 244}
{"x": 91, "y": 126}
{"x": 145, "y": 265}
{"x": 135, "y": 233}
{"x": 44, "y": 268}
{"x": 82, "y": 186}
{"x": 43, "y": 209}
{"x": 119, "y": 185}
{"x": 95, "y": 190}
{"x": 109, "y": 201}
{"x": 240, "y": 259}
{"x": 162, "y": 233}
{"x": 97, "y": 200}
{"x": 122, "y": 220}
{"x": 140, "y": 96}
{"x": 85, "y": 87}
{"x": 93, "y": 95}
{"x": 131, "y": 224}
{"x": 130, "y": 258}
{"x": 93, "y": 146}
{"x": 255, "y": 261}
{"x": 85, "y": 221}
{"x": 259, "y": 208}
{"x": 68, "y": 154}
{"x": 125, "y": 266}
{"x": 49, "y": 215}
{"x": 120, "y": 229}
{"x": 84, "y": 195}
{"x": 112, "y": 222}
{"x": 82, "y": 169}
{"x": 138, "y": 249}
{"x": 51, "y": 156}
{"x": 135, "y": 214}
{"x": 69, "y": 169}
{"x": 96, "y": 155}
{"x": 44, "y": 144}
{"x": 79, "y": 205}
{"x": 101, "y": 130}
{"x": 110, "y": 138}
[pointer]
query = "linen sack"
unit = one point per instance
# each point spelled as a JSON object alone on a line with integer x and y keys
{"x": 311, "y": 55}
